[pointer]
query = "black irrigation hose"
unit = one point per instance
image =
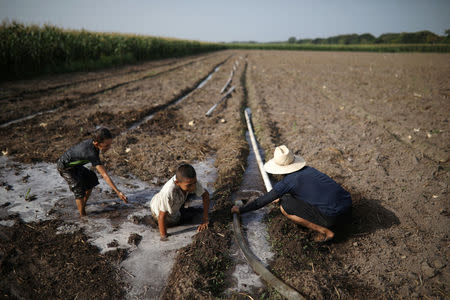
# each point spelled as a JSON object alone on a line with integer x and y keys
{"x": 259, "y": 268}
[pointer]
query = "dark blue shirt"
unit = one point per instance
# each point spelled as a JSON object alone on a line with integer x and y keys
{"x": 311, "y": 186}
{"x": 317, "y": 189}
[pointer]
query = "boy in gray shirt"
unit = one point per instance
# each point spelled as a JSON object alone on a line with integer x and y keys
{"x": 81, "y": 180}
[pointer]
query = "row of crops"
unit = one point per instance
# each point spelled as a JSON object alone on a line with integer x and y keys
{"x": 31, "y": 50}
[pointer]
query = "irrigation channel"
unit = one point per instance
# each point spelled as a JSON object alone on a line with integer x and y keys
{"x": 255, "y": 247}
{"x": 175, "y": 101}
{"x": 140, "y": 72}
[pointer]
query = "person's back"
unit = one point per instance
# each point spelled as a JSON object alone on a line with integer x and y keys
{"x": 80, "y": 154}
{"x": 171, "y": 197}
{"x": 316, "y": 188}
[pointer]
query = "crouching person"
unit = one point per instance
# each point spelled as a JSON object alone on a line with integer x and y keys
{"x": 307, "y": 196}
{"x": 81, "y": 180}
{"x": 165, "y": 205}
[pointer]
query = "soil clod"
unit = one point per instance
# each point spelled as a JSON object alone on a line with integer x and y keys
{"x": 134, "y": 239}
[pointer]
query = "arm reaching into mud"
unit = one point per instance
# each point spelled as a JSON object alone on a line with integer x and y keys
{"x": 258, "y": 203}
{"x": 162, "y": 225}
{"x": 205, "y": 222}
{"x": 101, "y": 169}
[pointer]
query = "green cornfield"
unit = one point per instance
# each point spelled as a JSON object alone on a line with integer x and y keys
{"x": 32, "y": 50}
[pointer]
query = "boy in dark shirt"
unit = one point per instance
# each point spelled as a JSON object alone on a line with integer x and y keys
{"x": 80, "y": 179}
{"x": 307, "y": 196}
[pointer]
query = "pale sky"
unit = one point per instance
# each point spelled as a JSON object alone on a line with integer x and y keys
{"x": 233, "y": 20}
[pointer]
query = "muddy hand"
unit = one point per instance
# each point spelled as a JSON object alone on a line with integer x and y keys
{"x": 235, "y": 209}
{"x": 123, "y": 197}
{"x": 202, "y": 226}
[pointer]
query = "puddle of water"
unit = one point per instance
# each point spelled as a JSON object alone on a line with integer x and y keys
{"x": 7, "y": 223}
{"x": 199, "y": 86}
{"x": 255, "y": 229}
{"x": 40, "y": 180}
{"x": 149, "y": 263}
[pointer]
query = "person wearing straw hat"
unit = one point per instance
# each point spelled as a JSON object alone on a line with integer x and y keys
{"x": 307, "y": 196}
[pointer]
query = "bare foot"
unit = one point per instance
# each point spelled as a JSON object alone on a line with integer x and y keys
{"x": 323, "y": 237}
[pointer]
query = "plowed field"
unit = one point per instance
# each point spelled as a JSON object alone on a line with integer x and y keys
{"x": 376, "y": 123}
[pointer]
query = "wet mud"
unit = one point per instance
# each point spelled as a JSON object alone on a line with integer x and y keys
{"x": 125, "y": 236}
{"x": 255, "y": 231}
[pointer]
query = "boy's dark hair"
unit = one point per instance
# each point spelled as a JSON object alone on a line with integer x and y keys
{"x": 101, "y": 134}
{"x": 185, "y": 171}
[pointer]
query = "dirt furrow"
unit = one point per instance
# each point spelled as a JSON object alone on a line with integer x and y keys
{"x": 396, "y": 91}
{"x": 22, "y": 88}
{"x": 78, "y": 93}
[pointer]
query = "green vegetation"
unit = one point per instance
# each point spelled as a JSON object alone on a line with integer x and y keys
{"x": 324, "y": 47}
{"x": 420, "y": 37}
{"x": 33, "y": 50}
{"x": 422, "y": 41}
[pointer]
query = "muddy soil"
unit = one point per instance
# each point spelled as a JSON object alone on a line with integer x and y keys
{"x": 73, "y": 267}
{"x": 377, "y": 124}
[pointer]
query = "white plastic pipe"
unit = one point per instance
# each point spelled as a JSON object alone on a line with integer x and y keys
{"x": 264, "y": 175}
{"x": 228, "y": 82}
{"x": 209, "y": 112}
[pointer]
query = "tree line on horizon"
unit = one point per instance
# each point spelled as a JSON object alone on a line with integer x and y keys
{"x": 420, "y": 37}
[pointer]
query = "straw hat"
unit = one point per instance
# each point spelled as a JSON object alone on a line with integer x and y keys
{"x": 284, "y": 162}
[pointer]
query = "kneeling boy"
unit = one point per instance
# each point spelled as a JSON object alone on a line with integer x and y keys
{"x": 80, "y": 179}
{"x": 166, "y": 204}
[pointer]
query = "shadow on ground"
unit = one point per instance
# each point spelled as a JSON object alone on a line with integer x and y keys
{"x": 368, "y": 216}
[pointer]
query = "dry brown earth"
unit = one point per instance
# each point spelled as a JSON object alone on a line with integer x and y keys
{"x": 377, "y": 123}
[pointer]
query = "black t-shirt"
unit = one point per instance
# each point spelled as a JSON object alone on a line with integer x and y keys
{"x": 80, "y": 154}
